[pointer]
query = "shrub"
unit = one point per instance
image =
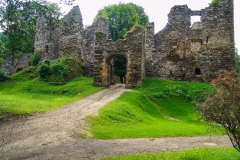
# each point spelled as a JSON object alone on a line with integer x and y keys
{"x": 1, "y": 61}
{"x": 61, "y": 70}
{"x": 19, "y": 68}
{"x": 58, "y": 71}
{"x": 237, "y": 61}
{"x": 215, "y": 2}
{"x": 74, "y": 67}
{"x": 47, "y": 62}
{"x": 34, "y": 59}
{"x": 44, "y": 71}
{"x": 2, "y": 76}
{"x": 223, "y": 106}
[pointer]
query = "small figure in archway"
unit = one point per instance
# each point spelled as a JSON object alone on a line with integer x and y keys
{"x": 123, "y": 80}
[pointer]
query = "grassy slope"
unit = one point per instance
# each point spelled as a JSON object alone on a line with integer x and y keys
{"x": 189, "y": 154}
{"x": 161, "y": 108}
{"x": 25, "y": 93}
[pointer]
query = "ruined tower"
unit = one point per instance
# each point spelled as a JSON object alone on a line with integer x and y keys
{"x": 184, "y": 52}
{"x": 68, "y": 38}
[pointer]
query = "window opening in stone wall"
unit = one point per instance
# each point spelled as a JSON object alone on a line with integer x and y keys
{"x": 120, "y": 64}
{"x": 195, "y": 18}
{"x": 197, "y": 71}
{"x": 207, "y": 39}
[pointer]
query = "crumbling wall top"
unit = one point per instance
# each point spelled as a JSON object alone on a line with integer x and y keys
{"x": 72, "y": 22}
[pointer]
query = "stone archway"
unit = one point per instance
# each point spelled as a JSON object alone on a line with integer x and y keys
{"x": 131, "y": 48}
{"x": 111, "y": 65}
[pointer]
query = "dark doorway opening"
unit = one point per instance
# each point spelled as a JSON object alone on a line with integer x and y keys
{"x": 120, "y": 64}
{"x": 197, "y": 71}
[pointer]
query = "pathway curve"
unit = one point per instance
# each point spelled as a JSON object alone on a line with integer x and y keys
{"x": 54, "y": 135}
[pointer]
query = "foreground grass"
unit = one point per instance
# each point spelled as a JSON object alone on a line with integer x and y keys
{"x": 161, "y": 108}
{"x": 23, "y": 94}
{"x": 189, "y": 154}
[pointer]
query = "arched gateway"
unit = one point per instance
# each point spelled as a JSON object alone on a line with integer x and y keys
{"x": 131, "y": 48}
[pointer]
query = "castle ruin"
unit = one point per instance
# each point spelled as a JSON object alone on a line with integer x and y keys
{"x": 178, "y": 52}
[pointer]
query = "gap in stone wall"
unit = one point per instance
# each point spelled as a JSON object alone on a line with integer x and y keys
{"x": 195, "y": 18}
{"x": 120, "y": 64}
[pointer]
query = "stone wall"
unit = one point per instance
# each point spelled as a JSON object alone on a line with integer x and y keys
{"x": 46, "y": 39}
{"x": 65, "y": 38}
{"x": 180, "y": 51}
{"x": 195, "y": 53}
{"x": 68, "y": 38}
{"x": 131, "y": 48}
{"x": 71, "y": 34}
{"x": 89, "y": 35}
{"x": 11, "y": 63}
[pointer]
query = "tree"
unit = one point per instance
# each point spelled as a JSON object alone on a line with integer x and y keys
{"x": 3, "y": 49}
{"x": 121, "y": 18}
{"x": 223, "y": 106}
{"x": 18, "y": 21}
{"x": 237, "y": 61}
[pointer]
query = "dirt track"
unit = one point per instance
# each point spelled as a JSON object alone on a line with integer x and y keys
{"x": 54, "y": 135}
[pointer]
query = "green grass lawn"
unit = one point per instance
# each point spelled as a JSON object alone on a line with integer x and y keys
{"x": 161, "y": 108}
{"x": 189, "y": 154}
{"x": 24, "y": 93}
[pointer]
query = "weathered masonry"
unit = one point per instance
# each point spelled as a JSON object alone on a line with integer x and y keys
{"x": 180, "y": 51}
{"x": 70, "y": 38}
{"x": 195, "y": 53}
{"x": 131, "y": 48}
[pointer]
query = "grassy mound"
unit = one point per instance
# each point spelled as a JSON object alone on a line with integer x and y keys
{"x": 25, "y": 93}
{"x": 189, "y": 154}
{"x": 161, "y": 108}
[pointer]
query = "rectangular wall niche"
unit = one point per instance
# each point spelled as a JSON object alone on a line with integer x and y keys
{"x": 196, "y": 45}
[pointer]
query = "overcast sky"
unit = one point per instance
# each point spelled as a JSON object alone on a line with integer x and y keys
{"x": 157, "y": 10}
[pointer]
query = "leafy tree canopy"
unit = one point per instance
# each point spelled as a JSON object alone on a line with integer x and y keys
{"x": 18, "y": 22}
{"x": 121, "y": 18}
{"x": 3, "y": 49}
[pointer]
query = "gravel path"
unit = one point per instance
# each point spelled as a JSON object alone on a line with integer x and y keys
{"x": 54, "y": 135}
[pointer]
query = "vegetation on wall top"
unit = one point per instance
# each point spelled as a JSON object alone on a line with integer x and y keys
{"x": 215, "y": 2}
{"x": 121, "y": 18}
